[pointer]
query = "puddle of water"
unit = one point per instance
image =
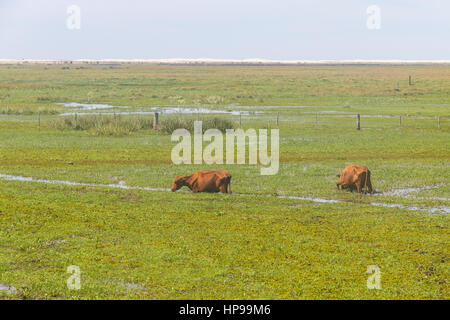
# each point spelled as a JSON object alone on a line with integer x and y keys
{"x": 122, "y": 185}
{"x": 203, "y": 110}
{"x": 319, "y": 200}
{"x": 87, "y": 106}
{"x": 162, "y": 109}
{"x": 270, "y": 107}
{"x": 8, "y": 289}
{"x": 441, "y": 209}
{"x": 432, "y": 198}
{"x": 406, "y": 191}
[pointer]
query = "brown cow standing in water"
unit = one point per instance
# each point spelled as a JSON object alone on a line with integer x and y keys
{"x": 205, "y": 181}
{"x": 355, "y": 177}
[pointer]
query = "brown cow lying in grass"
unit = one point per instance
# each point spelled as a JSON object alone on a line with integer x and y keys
{"x": 205, "y": 181}
{"x": 355, "y": 177}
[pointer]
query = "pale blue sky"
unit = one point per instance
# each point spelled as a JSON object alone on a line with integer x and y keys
{"x": 232, "y": 29}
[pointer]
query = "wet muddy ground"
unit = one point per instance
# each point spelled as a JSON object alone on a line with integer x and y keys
{"x": 396, "y": 192}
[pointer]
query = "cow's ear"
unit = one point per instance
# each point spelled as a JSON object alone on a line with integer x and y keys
{"x": 338, "y": 175}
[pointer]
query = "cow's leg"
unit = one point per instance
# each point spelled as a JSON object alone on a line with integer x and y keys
{"x": 223, "y": 188}
{"x": 223, "y": 183}
{"x": 358, "y": 186}
{"x": 364, "y": 182}
{"x": 369, "y": 185}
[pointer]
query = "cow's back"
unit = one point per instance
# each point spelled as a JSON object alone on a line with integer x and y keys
{"x": 351, "y": 173}
{"x": 208, "y": 180}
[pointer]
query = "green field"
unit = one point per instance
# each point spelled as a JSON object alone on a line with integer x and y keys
{"x": 253, "y": 244}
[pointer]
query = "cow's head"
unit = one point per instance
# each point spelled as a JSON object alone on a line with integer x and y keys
{"x": 178, "y": 182}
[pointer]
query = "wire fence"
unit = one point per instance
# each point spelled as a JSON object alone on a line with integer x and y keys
{"x": 273, "y": 119}
{"x": 349, "y": 121}
{"x": 361, "y": 121}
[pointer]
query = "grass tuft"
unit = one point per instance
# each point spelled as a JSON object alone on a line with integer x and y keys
{"x": 28, "y": 111}
{"x": 171, "y": 124}
{"x": 103, "y": 125}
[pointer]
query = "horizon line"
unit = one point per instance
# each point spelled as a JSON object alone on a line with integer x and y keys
{"x": 211, "y": 61}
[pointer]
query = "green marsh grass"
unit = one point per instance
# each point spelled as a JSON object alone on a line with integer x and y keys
{"x": 171, "y": 124}
{"x": 105, "y": 125}
{"x": 119, "y": 125}
{"x": 141, "y": 244}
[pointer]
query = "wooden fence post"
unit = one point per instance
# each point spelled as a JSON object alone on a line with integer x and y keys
{"x": 358, "y": 122}
{"x": 410, "y": 80}
{"x": 155, "y": 121}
